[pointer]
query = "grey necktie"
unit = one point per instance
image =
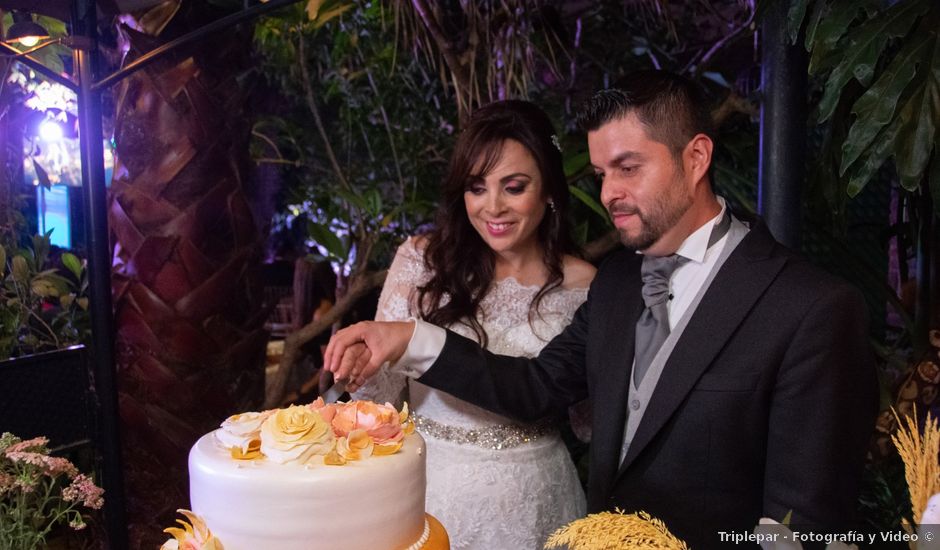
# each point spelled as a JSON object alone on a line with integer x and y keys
{"x": 652, "y": 328}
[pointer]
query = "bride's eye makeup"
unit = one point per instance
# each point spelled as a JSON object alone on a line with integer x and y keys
{"x": 474, "y": 185}
{"x": 515, "y": 188}
{"x": 516, "y": 184}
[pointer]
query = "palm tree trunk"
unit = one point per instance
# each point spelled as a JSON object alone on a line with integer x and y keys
{"x": 190, "y": 340}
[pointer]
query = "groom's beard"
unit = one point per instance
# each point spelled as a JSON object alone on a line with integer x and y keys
{"x": 661, "y": 215}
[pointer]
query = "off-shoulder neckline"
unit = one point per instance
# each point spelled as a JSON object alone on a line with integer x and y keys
{"x": 508, "y": 281}
{"x": 512, "y": 281}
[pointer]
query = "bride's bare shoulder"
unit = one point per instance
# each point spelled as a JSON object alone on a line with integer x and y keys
{"x": 419, "y": 242}
{"x": 578, "y": 273}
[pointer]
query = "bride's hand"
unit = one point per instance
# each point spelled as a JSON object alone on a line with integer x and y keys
{"x": 356, "y": 352}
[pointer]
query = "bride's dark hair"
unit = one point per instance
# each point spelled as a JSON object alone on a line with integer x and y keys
{"x": 459, "y": 260}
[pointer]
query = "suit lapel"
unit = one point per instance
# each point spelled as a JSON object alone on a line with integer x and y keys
{"x": 741, "y": 281}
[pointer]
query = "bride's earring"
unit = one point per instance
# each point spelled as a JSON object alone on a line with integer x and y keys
{"x": 551, "y": 205}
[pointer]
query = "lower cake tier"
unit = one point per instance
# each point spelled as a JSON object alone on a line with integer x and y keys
{"x": 371, "y": 504}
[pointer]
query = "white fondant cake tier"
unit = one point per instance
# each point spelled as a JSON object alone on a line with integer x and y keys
{"x": 372, "y": 504}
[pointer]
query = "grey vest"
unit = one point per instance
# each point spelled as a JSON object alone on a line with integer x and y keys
{"x": 638, "y": 398}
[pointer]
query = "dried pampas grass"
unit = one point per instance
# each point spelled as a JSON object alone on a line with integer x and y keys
{"x": 920, "y": 452}
{"x": 615, "y": 531}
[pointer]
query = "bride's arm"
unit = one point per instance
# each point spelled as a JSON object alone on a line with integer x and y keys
{"x": 395, "y": 304}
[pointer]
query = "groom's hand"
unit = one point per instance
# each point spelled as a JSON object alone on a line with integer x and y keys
{"x": 357, "y": 352}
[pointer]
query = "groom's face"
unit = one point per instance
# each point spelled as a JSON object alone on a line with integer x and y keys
{"x": 643, "y": 187}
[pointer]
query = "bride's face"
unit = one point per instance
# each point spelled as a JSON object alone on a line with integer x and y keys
{"x": 506, "y": 205}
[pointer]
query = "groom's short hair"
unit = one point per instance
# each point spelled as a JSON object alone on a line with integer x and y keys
{"x": 671, "y": 107}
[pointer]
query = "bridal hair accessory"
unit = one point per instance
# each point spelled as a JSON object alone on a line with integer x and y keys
{"x": 551, "y": 205}
{"x": 556, "y": 142}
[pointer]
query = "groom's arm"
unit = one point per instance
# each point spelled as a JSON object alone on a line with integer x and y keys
{"x": 522, "y": 388}
{"x": 527, "y": 389}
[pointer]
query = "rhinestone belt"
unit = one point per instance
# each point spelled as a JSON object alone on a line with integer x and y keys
{"x": 500, "y": 436}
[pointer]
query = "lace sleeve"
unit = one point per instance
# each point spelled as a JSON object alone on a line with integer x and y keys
{"x": 406, "y": 273}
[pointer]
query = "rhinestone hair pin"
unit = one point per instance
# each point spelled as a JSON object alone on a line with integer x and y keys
{"x": 556, "y": 142}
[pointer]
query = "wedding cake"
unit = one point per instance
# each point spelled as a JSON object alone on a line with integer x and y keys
{"x": 316, "y": 477}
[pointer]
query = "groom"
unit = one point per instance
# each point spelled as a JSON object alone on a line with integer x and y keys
{"x": 730, "y": 379}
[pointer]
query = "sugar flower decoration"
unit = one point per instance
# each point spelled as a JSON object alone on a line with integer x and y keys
{"x": 295, "y": 434}
{"x": 194, "y": 535}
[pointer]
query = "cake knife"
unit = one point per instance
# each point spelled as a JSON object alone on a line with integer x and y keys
{"x": 334, "y": 392}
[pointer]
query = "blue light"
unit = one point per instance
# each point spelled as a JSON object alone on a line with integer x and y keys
{"x": 52, "y": 209}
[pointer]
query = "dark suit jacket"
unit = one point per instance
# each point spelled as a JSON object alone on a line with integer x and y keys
{"x": 764, "y": 407}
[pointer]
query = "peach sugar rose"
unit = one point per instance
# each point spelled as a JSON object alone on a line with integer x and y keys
{"x": 364, "y": 428}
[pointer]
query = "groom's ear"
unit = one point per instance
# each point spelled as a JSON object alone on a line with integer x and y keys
{"x": 697, "y": 157}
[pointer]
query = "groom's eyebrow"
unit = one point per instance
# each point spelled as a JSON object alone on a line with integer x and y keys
{"x": 621, "y": 158}
{"x": 625, "y": 156}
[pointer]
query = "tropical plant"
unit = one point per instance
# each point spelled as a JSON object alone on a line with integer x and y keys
{"x": 187, "y": 295}
{"x": 362, "y": 137}
{"x": 881, "y": 62}
{"x": 879, "y": 65}
{"x": 42, "y": 307}
{"x": 876, "y": 66}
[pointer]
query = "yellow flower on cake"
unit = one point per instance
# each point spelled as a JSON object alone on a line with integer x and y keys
{"x": 241, "y": 434}
{"x": 194, "y": 535}
{"x": 356, "y": 446}
{"x": 295, "y": 434}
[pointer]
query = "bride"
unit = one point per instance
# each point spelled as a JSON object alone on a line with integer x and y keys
{"x": 496, "y": 268}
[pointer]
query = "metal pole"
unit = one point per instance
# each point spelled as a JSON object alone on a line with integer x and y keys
{"x": 99, "y": 274}
{"x": 782, "y": 127}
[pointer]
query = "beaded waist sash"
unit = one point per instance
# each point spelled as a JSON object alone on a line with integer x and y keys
{"x": 497, "y": 437}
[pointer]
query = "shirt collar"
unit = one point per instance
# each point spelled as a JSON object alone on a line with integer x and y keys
{"x": 695, "y": 246}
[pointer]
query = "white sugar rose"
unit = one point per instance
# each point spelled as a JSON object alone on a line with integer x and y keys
{"x": 239, "y": 431}
{"x": 295, "y": 434}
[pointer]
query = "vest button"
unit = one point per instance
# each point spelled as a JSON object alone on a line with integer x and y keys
{"x": 635, "y": 404}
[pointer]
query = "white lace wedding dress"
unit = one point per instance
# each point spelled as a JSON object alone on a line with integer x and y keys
{"x": 492, "y": 483}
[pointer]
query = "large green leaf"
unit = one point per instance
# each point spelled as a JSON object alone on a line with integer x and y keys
{"x": 863, "y": 170}
{"x": 576, "y": 163}
{"x": 352, "y": 198}
{"x": 328, "y": 240}
{"x": 589, "y": 201}
{"x": 827, "y": 25}
{"x": 920, "y": 124}
{"x": 795, "y": 18}
{"x": 20, "y": 269}
{"x": 73, "y": 264}
{"x": 373, "y": 200}
{"x": 918, "y": 133}
{"x": 864, "y": 46}
{"x": 876, "y": 107}
{"x": 59, "y": 283}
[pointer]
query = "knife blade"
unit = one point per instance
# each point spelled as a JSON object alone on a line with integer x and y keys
{"x": 334, "y": 392}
